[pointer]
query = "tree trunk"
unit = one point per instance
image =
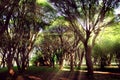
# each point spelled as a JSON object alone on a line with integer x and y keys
{"x": 71, "y": 62}
{"x": 88, "y": 59}
{"x": 80, "y": 59}
{"x": 52, "y": 62}
{"x": 103, "y": 62}
{"x": 61, "y": 63}
{"x": 110, "y": 59}
{"x": 10, "y": 67}
{"x": 24, "y": 64}
{"x": 18, "y": 64}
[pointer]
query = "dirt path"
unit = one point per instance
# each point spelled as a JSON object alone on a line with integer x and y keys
{"x": 77, "y": 75}
{"x": 66, "y": 75}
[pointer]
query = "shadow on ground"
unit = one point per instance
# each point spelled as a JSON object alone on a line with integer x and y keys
{"x": 62, "y": 75}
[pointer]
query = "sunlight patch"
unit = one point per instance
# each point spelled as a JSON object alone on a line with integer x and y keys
{"x": 41, "y": 1}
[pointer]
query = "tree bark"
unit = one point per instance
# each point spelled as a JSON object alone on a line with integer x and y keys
{"x": 71, "y": 62}
{"x": 10, "y": 67}
{"x": 80, "y": 59}
{"x": 88, "y": 59}
{"x": 61, "y": 63}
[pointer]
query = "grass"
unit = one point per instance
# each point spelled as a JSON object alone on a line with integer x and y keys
{"x": 49, "y": 69}
{"x": 2, "y": 70}
{"x": 42, "y": 68}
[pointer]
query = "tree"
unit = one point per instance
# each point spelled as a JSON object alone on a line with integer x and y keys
{"x": 103, "y": 52}
{"x": 116, "y": 49}
{"x": 107, "y": 45}
{"x": 86, "y": 17}
{"x": 6, "y": 11}
{"x": 61, "y": 41}
{"x": 68, "y": 42}
{"x": 27, "y": 27}
{"x": 22, "y": 29}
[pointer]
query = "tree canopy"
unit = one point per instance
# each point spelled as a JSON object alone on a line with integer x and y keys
{"x": 58, "y": 31}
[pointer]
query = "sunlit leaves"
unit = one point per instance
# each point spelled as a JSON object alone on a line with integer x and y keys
{"x": 112, "y": 32}
{"x": 60, "y": 21}
{"x": 44, "y": 3}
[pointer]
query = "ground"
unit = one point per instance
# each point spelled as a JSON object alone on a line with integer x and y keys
{"x": 77, "y": 75}
{"x": 43, "y": 74}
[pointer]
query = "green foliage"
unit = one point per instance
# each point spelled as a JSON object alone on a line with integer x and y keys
{"x": 3, "y": 70}
{"x": 35, "y": 69}
{"x": 23, "y": 20}
{"x": 108, "y": 37}
{"x": 117, "y": 52}
{"x": 96, "y": 50}
{"x": 112, "y": 31}
{"x": 36, "y": 57}
{"x": 107, "y": 44}
{"x": 59, "y": 21}
{"x": 117, "y": 47}
{"x": 44, "y": 3}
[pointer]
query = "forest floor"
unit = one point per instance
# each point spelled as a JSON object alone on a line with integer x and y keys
{"x": 42, "y": 74}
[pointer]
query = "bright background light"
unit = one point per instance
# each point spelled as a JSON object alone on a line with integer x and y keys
{"x": 41, "y": 1}
{"x": 117, "y": 11}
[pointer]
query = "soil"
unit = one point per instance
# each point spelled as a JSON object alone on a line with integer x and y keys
{"x": 61, "y": 75}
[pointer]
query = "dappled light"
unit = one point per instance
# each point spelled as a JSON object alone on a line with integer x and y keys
{"x": 35, "y": 78}
{"x": 109, "y": 73}
{"x": 59, "y": 39}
